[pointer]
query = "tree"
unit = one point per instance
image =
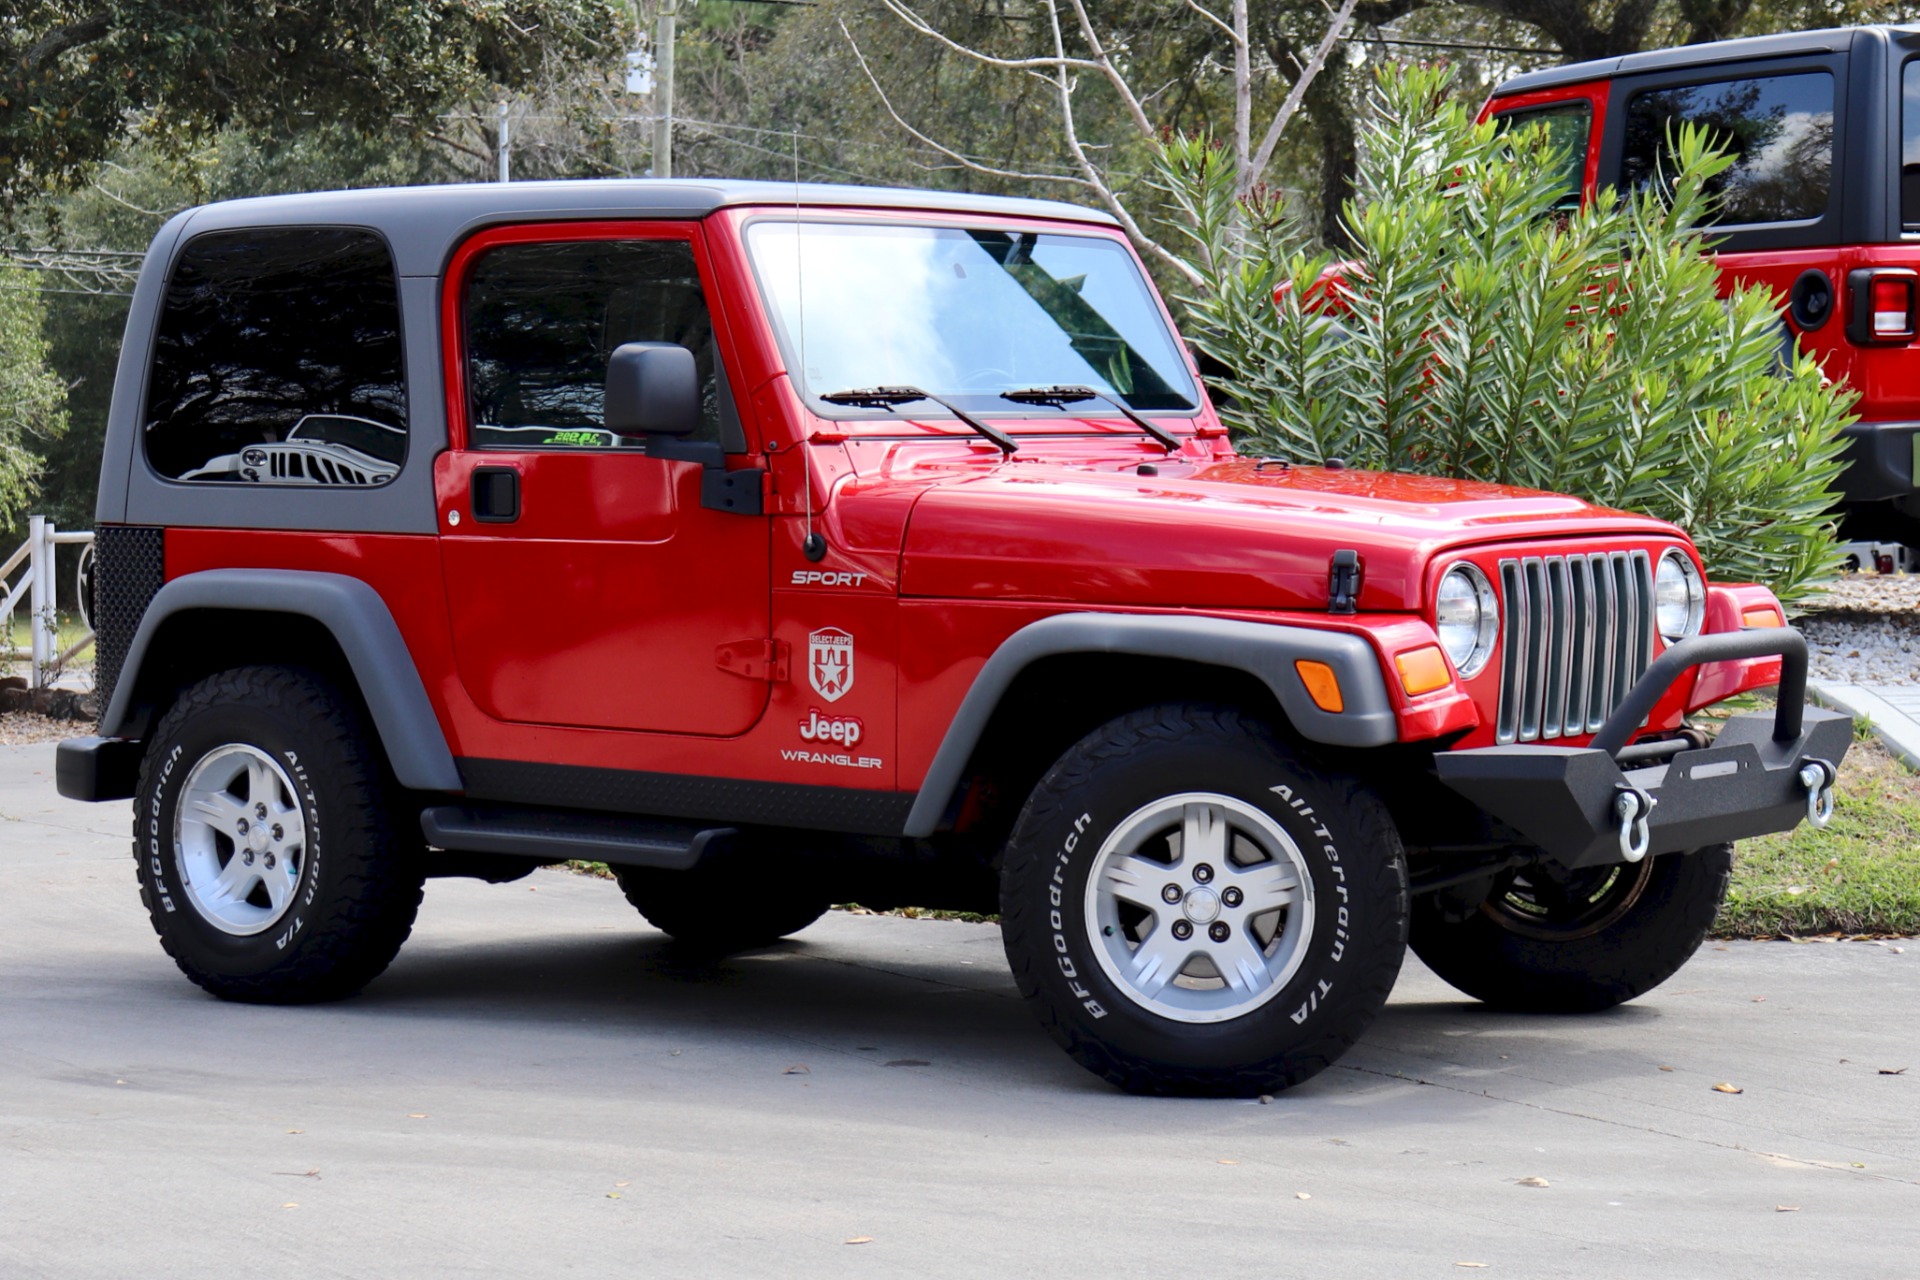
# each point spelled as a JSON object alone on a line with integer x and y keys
{"x": 1478, "y": 333}
{"x": 1073, "y": 48}
{"x": 33, "y": 401}
{"x": 78, "y": 77}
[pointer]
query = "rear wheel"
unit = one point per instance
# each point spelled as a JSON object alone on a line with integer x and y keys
{"x": 750, "y": 891}
{"x": 1191, "y": 907}
{"x": 1574, "y": 943}
{"x": 270, "y": 853}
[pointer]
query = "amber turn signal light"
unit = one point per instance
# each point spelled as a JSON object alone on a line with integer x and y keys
{"x": 1763, "y": 616}
{"x": 1322, "y": 685}
{"x": 1423, "y": 670}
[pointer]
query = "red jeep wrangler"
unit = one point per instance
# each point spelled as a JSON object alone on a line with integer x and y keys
{"x": 1822, "y": 204}
{"x": 784, "y": 547}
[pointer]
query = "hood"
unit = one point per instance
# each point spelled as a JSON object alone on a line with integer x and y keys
{"x": 1240, "y": 533}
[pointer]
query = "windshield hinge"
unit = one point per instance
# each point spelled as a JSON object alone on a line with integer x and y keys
{"x": 1343, "y": 582}
{"x": 754, "y": 659}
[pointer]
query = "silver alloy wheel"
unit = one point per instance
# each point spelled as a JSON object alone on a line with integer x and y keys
{"x": 1200, "y": 907}
{"x": 239, "y": 839}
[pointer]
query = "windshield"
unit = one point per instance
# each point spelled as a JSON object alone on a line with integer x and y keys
{"x": 965, "y": 314}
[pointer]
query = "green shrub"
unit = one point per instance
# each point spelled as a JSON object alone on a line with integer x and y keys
{"x": 1483, "y": 331}
{"x": 32, "y": 399}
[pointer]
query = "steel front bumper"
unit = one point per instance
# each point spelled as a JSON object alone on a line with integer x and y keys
{"x": 1607, "y": 802}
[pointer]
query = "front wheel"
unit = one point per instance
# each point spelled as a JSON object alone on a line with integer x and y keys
{"x": 1574, "y": 943}
{"x": 1191, "y": 907}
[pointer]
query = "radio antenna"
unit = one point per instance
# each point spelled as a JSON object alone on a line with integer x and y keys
{"x": 813, "y": 546}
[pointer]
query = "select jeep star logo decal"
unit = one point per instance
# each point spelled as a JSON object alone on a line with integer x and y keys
{"x": 845, "y": 730}
{"x": 830, "y": 663}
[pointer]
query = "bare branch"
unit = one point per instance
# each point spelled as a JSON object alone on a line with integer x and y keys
{"x": 60, "y": 39}
{"x": 151, "y": 213}
{"x": 461, "y": 147}
{"x": 1242, "y": 98}
{"x": 1336, "y": 30}
{"x": 947, "y": 151}
{"x": 1231, "y": 34}
{"x": 914, "y": 20}
{"x": 1105, "y": 64}
{"x": 1094, "y": 178}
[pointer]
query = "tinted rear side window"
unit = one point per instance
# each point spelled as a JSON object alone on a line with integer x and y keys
{"x": 278, "y": 360}
{"x": 1778, "y": 128}
{"x": 1910, "y": 146}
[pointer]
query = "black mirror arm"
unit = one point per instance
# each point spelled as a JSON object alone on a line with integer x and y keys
{"x": 739, "y": 492}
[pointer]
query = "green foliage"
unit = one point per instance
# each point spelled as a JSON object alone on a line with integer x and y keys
{"x": 76, "y": 76}
{"x": 1481, "y": 331}
{"x": 1860, "y": 875}
{"x": 33, "y": 401}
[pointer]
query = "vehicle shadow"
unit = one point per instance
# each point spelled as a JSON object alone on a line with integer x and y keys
{"x": 930, "y": 1007}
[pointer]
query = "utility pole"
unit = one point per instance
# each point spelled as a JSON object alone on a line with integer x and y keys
{"x": 663, "y": 89}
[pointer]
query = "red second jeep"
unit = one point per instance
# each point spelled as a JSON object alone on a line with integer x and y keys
{"x": 787, "y": 547}
{"x": 1821, "y": 204}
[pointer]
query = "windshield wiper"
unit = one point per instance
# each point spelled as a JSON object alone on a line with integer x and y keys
{"x": 1059, "y": 397}
{"x": 888, "y": 397}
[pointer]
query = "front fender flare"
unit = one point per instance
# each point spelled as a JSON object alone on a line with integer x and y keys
{"x": 1262, "y": 650}
{"x": 360, "y": 624}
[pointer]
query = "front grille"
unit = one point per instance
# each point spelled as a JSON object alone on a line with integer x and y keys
{"x": 130, "y": 567}
{"x": 1576, "y": 632}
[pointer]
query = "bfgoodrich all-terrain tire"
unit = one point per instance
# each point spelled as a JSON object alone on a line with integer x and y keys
{"x": 1191, "y": 907}
{"x": 1573, "y": 944}
{"x": 265, "y": 832}
{"x": 750, "y": 891}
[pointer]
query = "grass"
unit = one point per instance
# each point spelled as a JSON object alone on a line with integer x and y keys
{"x": 68, "y": 628}
{"x": 1859, "y": 876}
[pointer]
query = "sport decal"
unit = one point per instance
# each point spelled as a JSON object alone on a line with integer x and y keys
{"x": 830, "y": 663}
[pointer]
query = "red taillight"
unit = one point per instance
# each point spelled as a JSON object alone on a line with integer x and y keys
{"x": 1883, "y": 301}
{"x": 1892, "y": 308}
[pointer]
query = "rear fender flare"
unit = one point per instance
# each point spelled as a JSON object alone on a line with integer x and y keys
{"x": 360, "y": 623}
{"x": 1266, "y": 652}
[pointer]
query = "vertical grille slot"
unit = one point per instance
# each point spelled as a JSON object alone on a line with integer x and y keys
{"x": 1576, "y": 633}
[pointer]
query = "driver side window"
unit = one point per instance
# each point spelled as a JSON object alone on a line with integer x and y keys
{"x": 542, "y": 319}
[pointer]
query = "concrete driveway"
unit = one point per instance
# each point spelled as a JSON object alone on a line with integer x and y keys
{"x": 541, "y": 1085}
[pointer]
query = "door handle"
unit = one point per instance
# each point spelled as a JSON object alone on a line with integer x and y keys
{"x": 496, "y": 495}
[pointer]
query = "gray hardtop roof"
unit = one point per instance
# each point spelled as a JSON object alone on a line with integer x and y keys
{"x": 424, "y": 223}
{"x": 1831, "y": 40}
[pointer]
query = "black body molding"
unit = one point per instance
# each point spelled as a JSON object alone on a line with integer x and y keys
{"x": 1264, "y": 651}
{"x": 360, "y": 623}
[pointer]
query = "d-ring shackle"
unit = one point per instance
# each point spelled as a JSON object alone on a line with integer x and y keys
{"x": 1818, "y": 777}
{"x": 1633, "y": 806}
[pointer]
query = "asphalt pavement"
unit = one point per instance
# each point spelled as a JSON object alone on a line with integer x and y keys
{"x": 542, "y": 1085}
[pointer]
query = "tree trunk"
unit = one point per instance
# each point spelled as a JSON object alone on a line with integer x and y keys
{"x": 1339, "y": 152}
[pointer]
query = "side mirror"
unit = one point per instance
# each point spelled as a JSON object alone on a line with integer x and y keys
{"x": 652, "y": 390}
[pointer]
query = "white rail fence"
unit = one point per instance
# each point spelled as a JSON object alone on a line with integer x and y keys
{"x": 35, "y": 588}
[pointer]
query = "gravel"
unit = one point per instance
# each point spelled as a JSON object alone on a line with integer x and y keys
{"x": 18, "y": 728}
{"x": 1865, "y": 629}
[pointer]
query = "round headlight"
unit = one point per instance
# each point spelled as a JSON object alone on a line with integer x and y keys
{"x": 1466, "y": 615}
{"x": 1679, "y": 597}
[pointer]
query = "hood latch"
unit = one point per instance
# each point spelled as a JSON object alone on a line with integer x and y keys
{"x": 1343, "y": 582}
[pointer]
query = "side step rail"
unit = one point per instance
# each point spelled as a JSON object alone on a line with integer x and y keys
{"x": 559, "y": 836}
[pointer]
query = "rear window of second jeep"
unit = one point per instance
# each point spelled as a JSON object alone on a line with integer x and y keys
{"x": 1779, "y": 129}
